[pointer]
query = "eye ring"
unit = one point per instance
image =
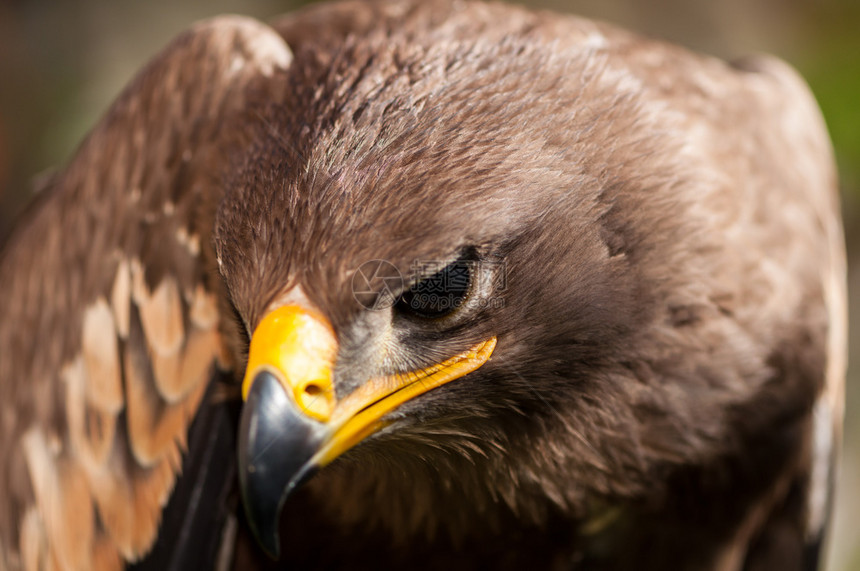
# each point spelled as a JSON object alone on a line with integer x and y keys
{"x": 439, "y": 295}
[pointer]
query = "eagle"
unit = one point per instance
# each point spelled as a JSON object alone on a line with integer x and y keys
{"x": 428, "y": 284}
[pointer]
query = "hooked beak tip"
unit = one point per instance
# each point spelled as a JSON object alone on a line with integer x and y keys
{"x": 276, "y": 445}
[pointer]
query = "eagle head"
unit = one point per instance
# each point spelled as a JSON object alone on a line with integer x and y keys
{"x": 460, "y": 268}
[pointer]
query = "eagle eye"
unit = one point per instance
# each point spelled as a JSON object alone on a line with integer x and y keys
{"x": 439, "y": 294}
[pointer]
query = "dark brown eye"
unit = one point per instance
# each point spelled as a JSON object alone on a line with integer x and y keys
{"x": 440, "y": 294}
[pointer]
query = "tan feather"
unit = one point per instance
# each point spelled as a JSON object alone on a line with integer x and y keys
{"x": 101, "y": 355}
{"x": 190, "y": 242}
{"x": 129, "y": 501}
{"x": 177, "y": 374}
{"x": 161, "y": 315}
{"x": 204, "y": 309}
{"x": 33, "y": 545}
{"x": 64, "y": 502}
{"x": 91, "y": 430}
{"x": 153, "y": 425}
{"x": 106, "y": 557}
{"x": 167, "y": 372}
{"x": 121, "y": 297}
{"x": 192, "y": 403}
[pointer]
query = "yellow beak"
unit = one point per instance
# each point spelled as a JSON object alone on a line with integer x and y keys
{"x": 293, "y": 422}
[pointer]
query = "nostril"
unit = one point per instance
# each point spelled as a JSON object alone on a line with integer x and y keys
{"x": 316, "y": 399}
{"x": 313, "y": 390}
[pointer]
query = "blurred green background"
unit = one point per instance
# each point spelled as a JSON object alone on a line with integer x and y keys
{"x": 62, "y": 62}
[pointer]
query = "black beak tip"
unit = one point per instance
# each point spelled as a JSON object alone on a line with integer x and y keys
{"x": 270, "y": 542}
{"x": 276, "y": 445}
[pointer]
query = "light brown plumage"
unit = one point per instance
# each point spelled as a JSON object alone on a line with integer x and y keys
{"x": 103, "y": 434}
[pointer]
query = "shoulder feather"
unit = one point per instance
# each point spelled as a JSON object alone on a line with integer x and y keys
{"x": 111, "y": 305}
